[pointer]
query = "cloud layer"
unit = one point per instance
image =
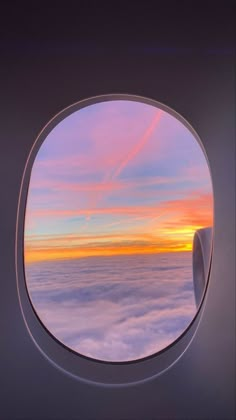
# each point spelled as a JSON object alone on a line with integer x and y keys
{"x": 115, "y": 308}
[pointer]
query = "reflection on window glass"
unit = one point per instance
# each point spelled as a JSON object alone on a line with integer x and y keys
{"x": 117, "y": 191}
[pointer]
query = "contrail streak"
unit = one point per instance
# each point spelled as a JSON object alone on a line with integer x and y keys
{"x": 132, "y": 153}
{"x": 139, "y": 145}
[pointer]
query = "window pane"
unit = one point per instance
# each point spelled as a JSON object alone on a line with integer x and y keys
{"x": 117, "y": 191}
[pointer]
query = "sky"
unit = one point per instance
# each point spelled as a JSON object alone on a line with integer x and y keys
{"x": 117, "y": 177}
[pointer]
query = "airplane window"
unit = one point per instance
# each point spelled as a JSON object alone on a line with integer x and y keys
{"x": 119, "y": 197}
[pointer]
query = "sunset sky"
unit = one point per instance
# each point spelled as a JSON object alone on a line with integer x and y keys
{"x": 117, "y": 177}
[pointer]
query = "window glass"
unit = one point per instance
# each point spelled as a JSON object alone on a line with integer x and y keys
{"x": 117, "y": 191}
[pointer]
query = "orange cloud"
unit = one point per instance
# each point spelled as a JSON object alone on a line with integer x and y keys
{"x": 193, "y": 206}
{"x": 42, "y": 254}
{"x": 174, "y": 232}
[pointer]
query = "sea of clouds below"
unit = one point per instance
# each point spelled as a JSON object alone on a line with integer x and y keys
{"x": 115, "y": 308}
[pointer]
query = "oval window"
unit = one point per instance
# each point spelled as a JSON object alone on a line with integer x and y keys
{"x": 118, "y": 191}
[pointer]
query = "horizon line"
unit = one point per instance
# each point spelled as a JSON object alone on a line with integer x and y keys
{"x": 28, "y": 260}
